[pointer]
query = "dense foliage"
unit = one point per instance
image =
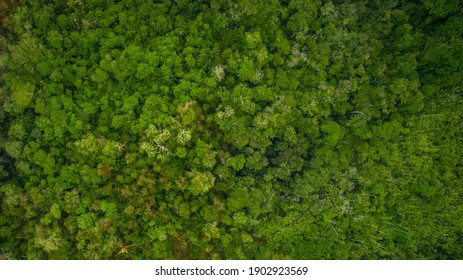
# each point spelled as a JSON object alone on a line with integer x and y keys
{"x": 231, "y": 129}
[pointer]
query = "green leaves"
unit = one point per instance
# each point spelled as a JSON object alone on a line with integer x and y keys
{"x": 109, "y": 208}
{"x": 333, "y": 133}
{"x": 237, "y": 162}
{"x": 23, "y": 93}
{"x": 14, "y": 149}
{"x": 87, "y": 145}
{"x": 235, "y": 130}
{"x": 441, "y": 8}
{"x": 85, "y": 221}
{"x": 200, "y": 182}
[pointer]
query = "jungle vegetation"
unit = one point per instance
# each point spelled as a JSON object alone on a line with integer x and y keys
{"x": 231, "y": 129}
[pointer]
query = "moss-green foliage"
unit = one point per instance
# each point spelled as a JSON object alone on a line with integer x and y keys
{"x": 22, "y": 93}
{"x": 231, "y": 130}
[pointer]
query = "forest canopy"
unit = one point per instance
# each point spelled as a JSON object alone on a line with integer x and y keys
{"x": 231, "y": 129}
